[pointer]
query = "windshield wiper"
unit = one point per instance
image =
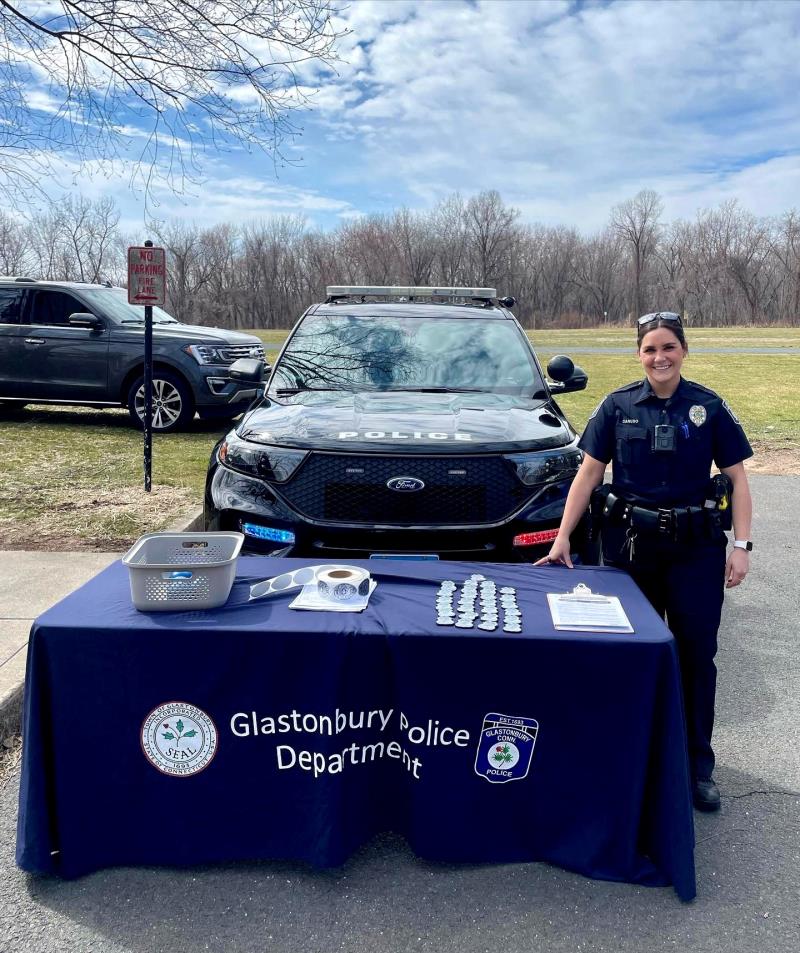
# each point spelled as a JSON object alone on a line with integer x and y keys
{"x": 288, "y": 391}
{"x": 437, "y": 390}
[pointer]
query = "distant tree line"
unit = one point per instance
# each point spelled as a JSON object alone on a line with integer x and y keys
{"x": 726, "y": 267}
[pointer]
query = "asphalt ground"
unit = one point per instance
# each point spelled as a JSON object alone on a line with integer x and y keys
{"x": 384, "y": 899}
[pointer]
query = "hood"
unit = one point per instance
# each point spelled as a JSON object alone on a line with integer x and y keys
{"x": 192, "y": 334}
{"x": 408, "y": 423}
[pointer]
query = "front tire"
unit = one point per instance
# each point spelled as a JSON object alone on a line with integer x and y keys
{"x": 173, "y": 403}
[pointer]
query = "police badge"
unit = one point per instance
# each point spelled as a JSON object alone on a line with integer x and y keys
{"x": 697, "y": 414}
{"x": 505, "y": 747}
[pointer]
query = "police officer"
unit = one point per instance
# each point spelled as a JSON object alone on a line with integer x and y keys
{"x": 663, "y": 518}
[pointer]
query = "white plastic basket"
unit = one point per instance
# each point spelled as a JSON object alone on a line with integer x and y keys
{"x": 170, "y": 571}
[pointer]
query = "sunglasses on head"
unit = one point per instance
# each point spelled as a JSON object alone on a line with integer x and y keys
{"x": 668, "y": 316}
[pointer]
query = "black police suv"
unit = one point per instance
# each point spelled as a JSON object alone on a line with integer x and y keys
{"x": 404, "y": 421}
{"x": 68, "y": 342}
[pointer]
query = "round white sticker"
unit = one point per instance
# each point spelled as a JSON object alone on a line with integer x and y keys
{"x": 179, "y": 739}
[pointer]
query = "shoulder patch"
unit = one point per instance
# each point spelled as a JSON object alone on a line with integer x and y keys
{"x": 727, "y": 407}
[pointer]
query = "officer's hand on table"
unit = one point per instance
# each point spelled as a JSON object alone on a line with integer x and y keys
{"x": 559, "y": 553}
{"x": 737, "y": 567}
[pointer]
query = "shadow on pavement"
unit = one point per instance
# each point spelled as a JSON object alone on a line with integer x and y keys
{"x": 384, "y": 899}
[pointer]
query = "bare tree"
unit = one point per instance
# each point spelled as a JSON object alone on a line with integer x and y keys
{"x": 152, "y": 84}
{"x": 14, "y": 246}
{"x": 369, "y": 250}
{"x": 416, "y": 243}
{"x": 75, "y": 239}
{"x": 636, "y": 221}
{"x": 449, "y": 225}
{"x": 597, "y": 272}
{"x": 750, "y": 262}
{"x": 489, "y": 224}
{"x": 317, "y": 265}
{"x": 726, "y": 267}
{"x": 786, "y": 247}
{"x": 223, "y": 303}
{"x": 672, "y": 254}
{"x": 186, "y": 271}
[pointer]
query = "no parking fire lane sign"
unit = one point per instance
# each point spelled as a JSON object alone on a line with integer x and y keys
{"x": 147, "y": 274}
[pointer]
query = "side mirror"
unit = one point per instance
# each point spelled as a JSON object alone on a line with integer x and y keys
{"x": 565, "y": 375}
{"x": 560, "y": 368}
{"x": 248, "y": 369}
{"x": 577, "y": 381}
{"x": 84, "y": 319}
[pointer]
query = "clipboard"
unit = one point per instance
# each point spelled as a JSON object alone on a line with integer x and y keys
{"x": 582, "y": 610}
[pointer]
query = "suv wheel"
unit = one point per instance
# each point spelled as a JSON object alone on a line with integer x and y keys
{"x": 173, "y": 404}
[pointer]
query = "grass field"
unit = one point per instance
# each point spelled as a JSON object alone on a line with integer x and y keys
{"x": 697, "y": 337}
{"x": 72, "y": 478}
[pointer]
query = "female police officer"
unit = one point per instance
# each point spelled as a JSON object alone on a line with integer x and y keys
{"x": 662, "y": 519}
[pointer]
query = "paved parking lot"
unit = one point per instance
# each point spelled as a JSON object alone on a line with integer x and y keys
{"x": 384, "y": 899}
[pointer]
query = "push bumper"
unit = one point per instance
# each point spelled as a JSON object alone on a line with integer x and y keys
{"x": 233, "y": 499}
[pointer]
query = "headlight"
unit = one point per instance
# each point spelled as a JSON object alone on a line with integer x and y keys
{"x": 205, "y": 354}
{"x": 547, "y": 466}
{"x": 276, "y": 464}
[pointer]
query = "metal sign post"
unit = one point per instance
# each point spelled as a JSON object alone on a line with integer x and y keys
{"x": 147, "y": 274}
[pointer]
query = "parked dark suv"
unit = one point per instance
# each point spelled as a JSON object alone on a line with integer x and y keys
{"x": 74, "y": 343}
{"x": 412, "y": 421}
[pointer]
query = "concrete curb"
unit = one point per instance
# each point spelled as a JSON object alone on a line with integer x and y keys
{"x": 12, "y": 665}
{"x": 11, "y": 709}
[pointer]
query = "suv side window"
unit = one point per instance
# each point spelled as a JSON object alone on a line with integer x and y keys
{"x": 10, "y": 301}
{"x": 54, "y": 308}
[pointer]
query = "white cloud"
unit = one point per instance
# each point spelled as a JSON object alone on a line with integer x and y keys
{"x": 564, "y": 108}
{"x": 549, "y": 103}
{"x": 41, "y": 101}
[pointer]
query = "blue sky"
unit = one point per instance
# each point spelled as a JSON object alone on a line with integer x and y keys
{"x": 565, "y": 108}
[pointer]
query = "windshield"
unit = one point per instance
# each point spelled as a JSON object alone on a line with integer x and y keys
{"x": 114, "y": 303}
{"x": 348, "y": 352}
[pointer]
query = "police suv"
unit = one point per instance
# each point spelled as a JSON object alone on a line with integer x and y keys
{"x": 402, "y": 421}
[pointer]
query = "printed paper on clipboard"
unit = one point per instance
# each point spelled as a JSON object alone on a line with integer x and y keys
{"x": 585, "y": 611}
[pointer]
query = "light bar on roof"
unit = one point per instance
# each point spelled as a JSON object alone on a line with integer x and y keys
{"x": 399, "y": 291}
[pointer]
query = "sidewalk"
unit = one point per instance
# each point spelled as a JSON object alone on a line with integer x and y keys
{"x": 31, "y": 582}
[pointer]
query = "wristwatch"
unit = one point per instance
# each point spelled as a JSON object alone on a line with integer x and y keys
{"x": 743, "y": 544}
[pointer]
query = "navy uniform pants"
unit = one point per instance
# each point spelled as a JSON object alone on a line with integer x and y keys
{"x": 686, "y": 586}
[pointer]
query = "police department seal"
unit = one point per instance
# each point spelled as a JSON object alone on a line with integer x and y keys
{"x": 505, "y": 747}
{"x": 697, "y": 415}
{"x": 179, "y": 739}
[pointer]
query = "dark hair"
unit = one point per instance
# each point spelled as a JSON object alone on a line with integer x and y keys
{"x": 661, "y": 319}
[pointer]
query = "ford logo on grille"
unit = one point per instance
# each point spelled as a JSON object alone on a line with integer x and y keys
{"x": 405, "y": 484}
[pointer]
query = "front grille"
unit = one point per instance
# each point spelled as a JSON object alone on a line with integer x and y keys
{"x": 232, "y": 352}
{"x": 485, "y": 490}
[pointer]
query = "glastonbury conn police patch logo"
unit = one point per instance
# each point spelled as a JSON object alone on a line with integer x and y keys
{"x": 505, "y": 747}
{"x": 179, "y": 739}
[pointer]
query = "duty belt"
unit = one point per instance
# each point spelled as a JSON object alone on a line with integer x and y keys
{"x": 679, "y": 524}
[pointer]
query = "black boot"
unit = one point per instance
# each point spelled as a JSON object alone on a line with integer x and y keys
{"x": 705, "y": 795}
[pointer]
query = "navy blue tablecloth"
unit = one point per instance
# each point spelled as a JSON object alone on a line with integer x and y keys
{"x": 306, "y": 733}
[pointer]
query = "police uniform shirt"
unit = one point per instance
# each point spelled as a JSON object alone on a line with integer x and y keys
{"x": 620, "y": 432}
